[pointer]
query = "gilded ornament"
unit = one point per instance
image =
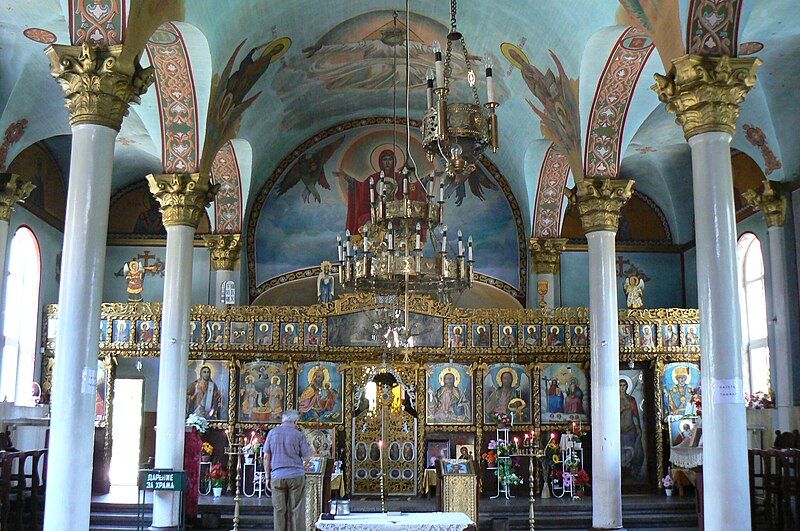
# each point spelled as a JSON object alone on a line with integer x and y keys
{"x": 224, "y": 250}
{"x": 13, "y": 188}
{"x": 546, "y": 253}
{"x": 599, "y": 202}
{"x": 705, "y": 93}
{"x": 182, "y": 196}
{"x": 771, "y": 201}
{"x": 99, "y": 82}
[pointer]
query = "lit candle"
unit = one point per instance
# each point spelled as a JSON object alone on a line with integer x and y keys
{"x": 348, "y": 246}
{"x": 390, "y": 236}
{"x": 429, "y": 87}
{"x": 516, "y": 442}
{"x": 460, "y": 245}
{"x": 371, "y": 192}
{"x": 489, "y": 83}
{"x": 444, "y": 240}
{"x": 469, "y": 249}
{"x": 419, "y": 239}
{"x": 437, "y": 55}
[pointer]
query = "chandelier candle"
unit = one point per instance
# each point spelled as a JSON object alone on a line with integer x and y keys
{"x": 429, "y": 88}
{"x": 444, "y": 239}
{"x": 460, "y": 245}
{"x": 490, "y": 97}
{"x": 469, "y": 250}
{"x": 437, "y": 55}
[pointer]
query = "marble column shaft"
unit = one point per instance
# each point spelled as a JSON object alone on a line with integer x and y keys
{"x": 183, "y": 197}
{"x": 705, "y": 94}
{"x": 772, "y": 201}
{"x": 99, "y": 84}
{"x": 599, "y": 202}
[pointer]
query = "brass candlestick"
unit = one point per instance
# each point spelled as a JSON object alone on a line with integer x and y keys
{"x": 235, "y": 450}
{"x": 534, "y": 453}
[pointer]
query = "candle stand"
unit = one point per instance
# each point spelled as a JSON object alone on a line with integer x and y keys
{"x": 235, "y": 449}
{"x": 534, "y": 454}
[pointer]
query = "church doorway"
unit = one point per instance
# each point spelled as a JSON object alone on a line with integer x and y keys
{"x": 126, "y": 431}
{"x": 384, "y": 440}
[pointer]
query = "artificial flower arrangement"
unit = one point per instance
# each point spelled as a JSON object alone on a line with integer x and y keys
{"x": 207, "y": 448}
{"x": 505, "y": 467}
{"x": 502, "y": 418}
{"x": 759, "y": 400}
{"x": 218, "y": 475}
{"x": 667, "y": 482}
{"x": 197, "y": 422}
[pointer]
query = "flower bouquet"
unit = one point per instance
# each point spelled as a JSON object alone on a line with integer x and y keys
{"x": 502, "y": 419}
{"x": 206, "y": 450}
{"x": 505, "y": 472}
{"x": 219, "y": 477}
{"x": 197, "y": 422}
{"x": 757, "y": 400}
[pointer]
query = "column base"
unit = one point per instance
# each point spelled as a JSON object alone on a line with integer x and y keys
{"x": 606, "y": 528}
{"x": 160, "y": 528}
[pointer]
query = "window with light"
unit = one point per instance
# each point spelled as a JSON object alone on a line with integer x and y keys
{"x": 20, "y": 317}
{"x": 753, "y": 302}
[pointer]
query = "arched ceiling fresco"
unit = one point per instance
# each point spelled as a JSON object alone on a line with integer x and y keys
{"x": 341, "y": 62}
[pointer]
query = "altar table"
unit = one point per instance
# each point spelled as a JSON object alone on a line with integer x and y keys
{"x": 406, "y": 521}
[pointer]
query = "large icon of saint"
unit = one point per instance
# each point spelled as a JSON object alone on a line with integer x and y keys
{"x": 203, "y": 397}
{"x": 318, "y": 400}
{"x": 508, "y": 394}
{"x": 449, "y": 404}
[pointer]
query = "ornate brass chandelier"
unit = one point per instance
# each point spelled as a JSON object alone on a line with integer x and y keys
{"x": 387, "y": 257}
{"x": 458, "y": 132}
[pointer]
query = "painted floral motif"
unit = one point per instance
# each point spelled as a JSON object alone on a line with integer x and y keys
{"x": 12, "y": 135}
{"x": 40, "y": 35}
{"x": 611, "y": 101}
{"x": 550, "y": 194}
{"x": 757, "y": 138}
{"x": 176, "y": 99}
{"x": 228, "y": 203}
{"x": 713, "y": 27}
{"x": 98, "y": 22}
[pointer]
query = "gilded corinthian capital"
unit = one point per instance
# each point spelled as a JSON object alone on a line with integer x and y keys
{"x": 599, "y": 202}
{"x": 99, "y": 83}
{"x": 546, "y": 253}
{"x": 182, "y": 196}
{"x": 771, "y": 200}
{"x": 13, "y": 188}
{"x": 704, "y": 93}
{"x": 224, "y": 250}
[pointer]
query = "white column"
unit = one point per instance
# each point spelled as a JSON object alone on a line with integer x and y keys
{"x": 3, "y": 250}
{"x": 725, "y": 467}
{"x": 172, "y": 370}
{"x": 784, "y": 392}
{"x": 221, "y": 276}
{"x": 69, "y": 474}
{"x": 604, "y": 368}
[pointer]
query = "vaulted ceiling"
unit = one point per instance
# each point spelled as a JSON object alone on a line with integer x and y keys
{"x": 337, "y": 69}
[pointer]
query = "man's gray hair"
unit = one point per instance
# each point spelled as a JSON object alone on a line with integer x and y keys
{"x": 290, "y": 415}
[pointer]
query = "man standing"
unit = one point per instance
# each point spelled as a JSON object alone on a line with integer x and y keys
{"x": 284, "y": 451}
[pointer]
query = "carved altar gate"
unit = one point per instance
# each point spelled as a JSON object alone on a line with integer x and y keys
{"x": 384, "y": 412}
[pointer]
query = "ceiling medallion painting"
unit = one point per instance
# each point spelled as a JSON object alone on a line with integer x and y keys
{"x": 353, "y": 65}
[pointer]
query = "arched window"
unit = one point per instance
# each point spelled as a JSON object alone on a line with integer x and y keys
{"x": 753, "y": 302}
{"x": 20, "y": 317}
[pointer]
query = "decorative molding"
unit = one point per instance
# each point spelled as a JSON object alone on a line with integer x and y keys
{"x": 13, "y": 188}
{"x": 771, "y": 200}
{"x": 224, "y": 250}
{"x": 599, "y": 202}
{"x": 550, "y": 194}
{"x": 228, "y": 204}
{"x": 133, "y": 240}
{"x": 183, "y": 196}
{"x": 612, "y": 101}
{"x": 705, "y": 92}
{"x": 546, "y": 253}
{"x": 99, "y": 83}
{"x": 713, "y": 27}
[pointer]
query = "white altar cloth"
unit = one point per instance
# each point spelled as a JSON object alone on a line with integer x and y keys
{"x": 404, "y": 522}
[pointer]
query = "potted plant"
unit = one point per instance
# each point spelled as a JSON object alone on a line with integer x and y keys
{"x": 206, "y": 450}
{"x": 219, "y": 477}
{"x": 667, "y": 484}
